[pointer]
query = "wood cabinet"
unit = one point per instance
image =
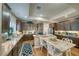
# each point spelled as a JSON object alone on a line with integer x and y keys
{"x": 19, "y": 25}
{"x": 60, "y": 26}
{"x": 68, "y": 25}
{"x": 75, "y": 25}
{"x": 55, "y": 25}
{"x": 74, "y": 39}
{"x": 5, "y": 18}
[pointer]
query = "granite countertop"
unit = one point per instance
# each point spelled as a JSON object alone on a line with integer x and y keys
{"x": 61, "y": 45}
{"x": 7, "y": 46}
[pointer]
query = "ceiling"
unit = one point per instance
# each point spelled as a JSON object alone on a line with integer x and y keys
{"x": 20, "y": 9}
{"x": 49, "y": 12}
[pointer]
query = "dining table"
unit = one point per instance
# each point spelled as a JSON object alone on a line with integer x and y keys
{"x": 58, "y": 44}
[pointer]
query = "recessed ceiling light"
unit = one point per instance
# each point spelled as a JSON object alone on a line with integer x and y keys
{"x": 25, "y": 16}
{"x": 66, "y": 16}
{"x": 40, "y": 18}
{"x": 41, "y": 15}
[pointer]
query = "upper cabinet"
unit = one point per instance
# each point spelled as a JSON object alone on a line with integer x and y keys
{"x": 18, "y": 25}
{"x": 68, "y": 25}
{"x": 8, "y": 19}
{"x": 5, "y": 18}
{"x": 60, "y": 26}
{"x": 75, "y": 25}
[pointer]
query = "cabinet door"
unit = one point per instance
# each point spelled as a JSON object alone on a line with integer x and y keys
{"x": 67, "y": 25}
{"x": 58, "y": 26}
{"x": 61, "y": 26}
{"x": 75, "y": 25}
{"x": 5, "y": 19}
{"x": 19, "y": 25}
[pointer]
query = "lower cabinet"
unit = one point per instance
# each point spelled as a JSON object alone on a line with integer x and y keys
{"x": 74, "y": 39}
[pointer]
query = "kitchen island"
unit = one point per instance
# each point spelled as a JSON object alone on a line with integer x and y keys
{"x": 12, "y": 47}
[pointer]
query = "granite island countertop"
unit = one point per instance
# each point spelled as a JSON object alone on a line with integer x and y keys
{"x": 7, "y": 46}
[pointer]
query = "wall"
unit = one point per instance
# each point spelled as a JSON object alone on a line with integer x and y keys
{"x": 0, "y": 17}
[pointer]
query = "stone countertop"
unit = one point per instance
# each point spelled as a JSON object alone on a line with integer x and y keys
{"x": 61, "y": 45}
{"x": 7, "y": 46}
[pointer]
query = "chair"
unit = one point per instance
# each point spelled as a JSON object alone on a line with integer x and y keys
{"x": 36, "y": 42}
{"x": 41, "y": 43}
{"x": 51, "y": 50}
{"x": 68, "y": 52}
